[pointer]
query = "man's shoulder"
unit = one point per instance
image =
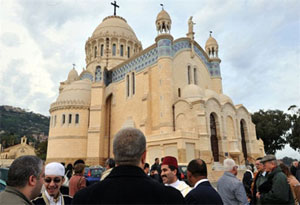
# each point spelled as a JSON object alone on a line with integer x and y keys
{"x": 38, "y": 200}
{"x": 67, "y": 199}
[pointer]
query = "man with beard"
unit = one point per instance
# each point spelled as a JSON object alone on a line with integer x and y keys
{"x": 54, "y": 178}
{"x": 170, "y": 175}
{"x": 25, "y": 180}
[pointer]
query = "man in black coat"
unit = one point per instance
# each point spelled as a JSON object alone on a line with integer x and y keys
{"x": 127, "y": 183}
{"x": 203, "y": 192}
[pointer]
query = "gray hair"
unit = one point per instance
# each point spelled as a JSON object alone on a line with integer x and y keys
{"x": 128, "y": 146}
{"x": 22, "y": 168}
{"x": 229, "y": 164}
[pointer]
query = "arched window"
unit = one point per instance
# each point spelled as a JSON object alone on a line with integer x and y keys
{"x": 77, "y": 119}
{"x": 95, "y": 51}
{"x": 63, "y": 120}
{"x": 98, "y": 74}
{"x": 189, "y": 74}
{"x": 195, "y": 76}
{"x": 133, "y": 83}
{"x": 127, "y": 86}
{"x": 114, "y": 50}
{"x": 128, "y": 52}
{"x": 121, "y": 50}
{"x": 179, "y": 92}
{"x": 101, "y": 49}
{"x": 70, "y": 118}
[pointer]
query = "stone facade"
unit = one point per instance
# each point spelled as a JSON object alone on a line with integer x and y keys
{"x": 9, "y": 154}
{"x": 172, "y": 91}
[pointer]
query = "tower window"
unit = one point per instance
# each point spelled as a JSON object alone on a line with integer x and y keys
{"x": 179, "y": 92}
{"x": 114, "y": 50}
{"x": 95, "y": 51}
{"x": 189, "y": 74}
{"x": 127, "y": 85}
{"x": 63, "y": 119}
{"x": 133, "y": 83}
{"x": 77, "y": 118}
{"x": 101, "y": 49}
{"x": 121, "y": 50}
{"x": 195, "y": 76}
{"x": 54, "y": 121}
{"x": 70, "y": 118}
{"x": 128, "y": 52}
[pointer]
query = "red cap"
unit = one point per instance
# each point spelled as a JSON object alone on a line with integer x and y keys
{"x": 170, "y": 161}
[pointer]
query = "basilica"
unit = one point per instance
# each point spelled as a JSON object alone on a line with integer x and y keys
{"x": 171, "y": 91}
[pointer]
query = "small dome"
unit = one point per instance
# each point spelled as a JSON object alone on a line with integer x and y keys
{"x": 192, "y": 91}
{"x": 73, "y": 75}
{"x": 163, "y": 15}
{"x": 113, "y": 26}
{"x": 211, "y": 42}
{"x": 211, "y": 94}
{"x": 224, "y": 99}
{"x": 78, "y": 92}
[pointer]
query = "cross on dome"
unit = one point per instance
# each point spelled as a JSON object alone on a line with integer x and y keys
{"x": 115, "y": 7}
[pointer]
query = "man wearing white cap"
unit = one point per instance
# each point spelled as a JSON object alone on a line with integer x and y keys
{"x": 54, "y": 178}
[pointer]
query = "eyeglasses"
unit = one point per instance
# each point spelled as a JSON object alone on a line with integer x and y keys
{"x": 55, "y": 180}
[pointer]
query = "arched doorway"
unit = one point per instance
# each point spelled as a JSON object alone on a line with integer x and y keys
{"x": 108, "y": 124}
{"x": 214, "y": 138}
{"x": 243, "y": 136}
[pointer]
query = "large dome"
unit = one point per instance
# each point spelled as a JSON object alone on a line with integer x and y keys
{"x": 192, "y": 91}
{"x": 112, "y": 26}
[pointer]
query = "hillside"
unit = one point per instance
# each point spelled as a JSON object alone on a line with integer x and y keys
{"x": 16, "y": 122}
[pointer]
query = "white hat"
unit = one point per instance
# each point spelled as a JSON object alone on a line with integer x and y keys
{"x": 55, "y": 168}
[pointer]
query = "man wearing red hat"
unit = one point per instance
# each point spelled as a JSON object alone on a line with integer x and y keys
{"x": 169, "y": 175}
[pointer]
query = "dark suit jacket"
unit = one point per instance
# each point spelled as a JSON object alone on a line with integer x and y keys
{"x": 128, "y": 185}
{"x": 204, "y": 193}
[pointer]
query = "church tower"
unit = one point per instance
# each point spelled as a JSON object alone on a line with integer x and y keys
{"x": 164, "y": 42}
{"x": 212, "y": 49}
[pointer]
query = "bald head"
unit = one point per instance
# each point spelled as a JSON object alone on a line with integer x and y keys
{"x": 128, "y": 146}
{"x": 197, "y": 167}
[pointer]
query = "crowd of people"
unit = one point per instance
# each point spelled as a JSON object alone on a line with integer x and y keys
{"x": 128, "y": 179}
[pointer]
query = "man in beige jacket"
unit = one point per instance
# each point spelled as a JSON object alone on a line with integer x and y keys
{"x": 25, "y": 180}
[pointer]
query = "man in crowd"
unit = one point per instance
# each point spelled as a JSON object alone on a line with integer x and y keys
{"x": 109, "y": 165}
{"x": 259, "y": 178}
{"x": 230, "y": 188}
{"x": 156, "y": 164}
{"x": 127, "y": 183}
{"x": 170, "y": 175}
{"x": 25, "y": 180}
{"x": 146, "y": 168}
{"x": 54, "y": 178}
{"x": 296, "y": 184}
{"x": 276, "y": 189}
{"x": 294, "y": 167}
{"x": 203, "y": 192}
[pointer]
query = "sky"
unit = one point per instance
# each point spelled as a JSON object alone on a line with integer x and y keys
{"x": 259, "y": 45}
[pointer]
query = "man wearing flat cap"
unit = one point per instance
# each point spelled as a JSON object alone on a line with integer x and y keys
{"x": 170, "y": 175}
{"x": 54, "y": 178}
{"x": 276, "y": 189}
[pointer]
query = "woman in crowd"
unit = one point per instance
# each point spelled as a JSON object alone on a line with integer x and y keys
{"x": 77, "y": 181}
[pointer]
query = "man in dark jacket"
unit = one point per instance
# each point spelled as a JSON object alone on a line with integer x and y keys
{"x": 127, "y": 183}
{"x": 203, "y": 192}
{"x": 276, "y": 189}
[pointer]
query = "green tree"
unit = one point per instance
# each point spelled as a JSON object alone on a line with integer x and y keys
{"x": 272, "y": 127}
{"x": 41, "y": 150}
{"x": 293, "y": 137}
